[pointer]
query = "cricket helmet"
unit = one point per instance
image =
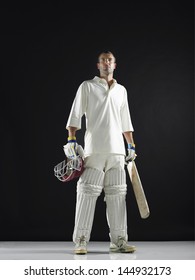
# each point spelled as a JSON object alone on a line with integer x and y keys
{"x": 69, "y": 169}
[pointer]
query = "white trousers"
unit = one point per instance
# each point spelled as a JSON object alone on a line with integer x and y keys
{"x": 102, "y": 172}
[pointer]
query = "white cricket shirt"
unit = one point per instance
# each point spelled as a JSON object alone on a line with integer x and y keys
{"x": 106, "y": 113}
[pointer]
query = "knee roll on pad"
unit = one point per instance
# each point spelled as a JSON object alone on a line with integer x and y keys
{"x": 91, "y": 182}
{"x": 115, "y": 182}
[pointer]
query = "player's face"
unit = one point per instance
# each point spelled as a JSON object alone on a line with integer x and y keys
{"x": 106, "y": 63}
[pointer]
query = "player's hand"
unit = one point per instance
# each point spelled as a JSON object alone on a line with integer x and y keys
{"x": 70, "y": 149}
{"x": 131, "y": 155}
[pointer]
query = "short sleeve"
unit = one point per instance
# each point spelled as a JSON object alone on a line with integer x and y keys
{"x": 78, "y": 108}
{"x": 125, "y": 115}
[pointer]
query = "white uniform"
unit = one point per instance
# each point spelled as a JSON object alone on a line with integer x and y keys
{"x": 107, "y": 116}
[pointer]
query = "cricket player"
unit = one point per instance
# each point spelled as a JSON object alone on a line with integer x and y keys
{"x": 108, "y": 141}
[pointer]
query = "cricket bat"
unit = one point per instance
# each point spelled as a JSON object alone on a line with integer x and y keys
{"x": 138, "y": 190}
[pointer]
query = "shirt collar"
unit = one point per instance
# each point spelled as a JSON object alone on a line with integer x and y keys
{"x": 102, "y": 81}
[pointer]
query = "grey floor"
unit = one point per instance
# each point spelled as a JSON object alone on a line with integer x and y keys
{"x": 184, "y": 250}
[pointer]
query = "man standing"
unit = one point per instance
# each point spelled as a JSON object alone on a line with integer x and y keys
{"x": 104, "y": 103}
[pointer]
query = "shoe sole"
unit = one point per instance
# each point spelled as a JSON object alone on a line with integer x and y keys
{"x": 80, "y": 252}
{"x": 123, "y": 251}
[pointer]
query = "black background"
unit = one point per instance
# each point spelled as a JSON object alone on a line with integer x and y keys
{"x": 45, "y": 55}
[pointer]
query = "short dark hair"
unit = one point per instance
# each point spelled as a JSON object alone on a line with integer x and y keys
{"x": 107, "y": 52}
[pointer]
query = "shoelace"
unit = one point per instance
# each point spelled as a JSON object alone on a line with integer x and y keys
{"x": 82, "y": 240}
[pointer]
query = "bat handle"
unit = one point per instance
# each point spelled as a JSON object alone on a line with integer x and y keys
{"x": 126, "y": 162}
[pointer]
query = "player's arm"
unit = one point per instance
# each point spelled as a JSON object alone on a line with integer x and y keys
{"x": 128, "y": 137}
{"x": 72, "y": 131}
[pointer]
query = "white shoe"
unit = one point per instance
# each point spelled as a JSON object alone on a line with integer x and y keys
{"x": 81, "y": 246}
{"x": 122, "y": 246}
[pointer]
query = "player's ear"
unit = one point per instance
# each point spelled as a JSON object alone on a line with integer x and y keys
{"x": 98, "y": 66}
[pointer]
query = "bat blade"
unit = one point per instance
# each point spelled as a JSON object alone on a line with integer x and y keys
{"x": 138, "y": 190}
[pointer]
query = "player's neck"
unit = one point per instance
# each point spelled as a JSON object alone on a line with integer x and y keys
{"x": 109, "y": 79}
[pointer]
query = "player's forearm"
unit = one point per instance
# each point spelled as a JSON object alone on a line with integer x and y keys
{"x": 72, "y": 131}
{"x": 128, "y": 137}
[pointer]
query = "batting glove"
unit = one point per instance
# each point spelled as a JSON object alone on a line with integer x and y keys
{"x": 131, "y": 152}
{"x": 70, "y": 149}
